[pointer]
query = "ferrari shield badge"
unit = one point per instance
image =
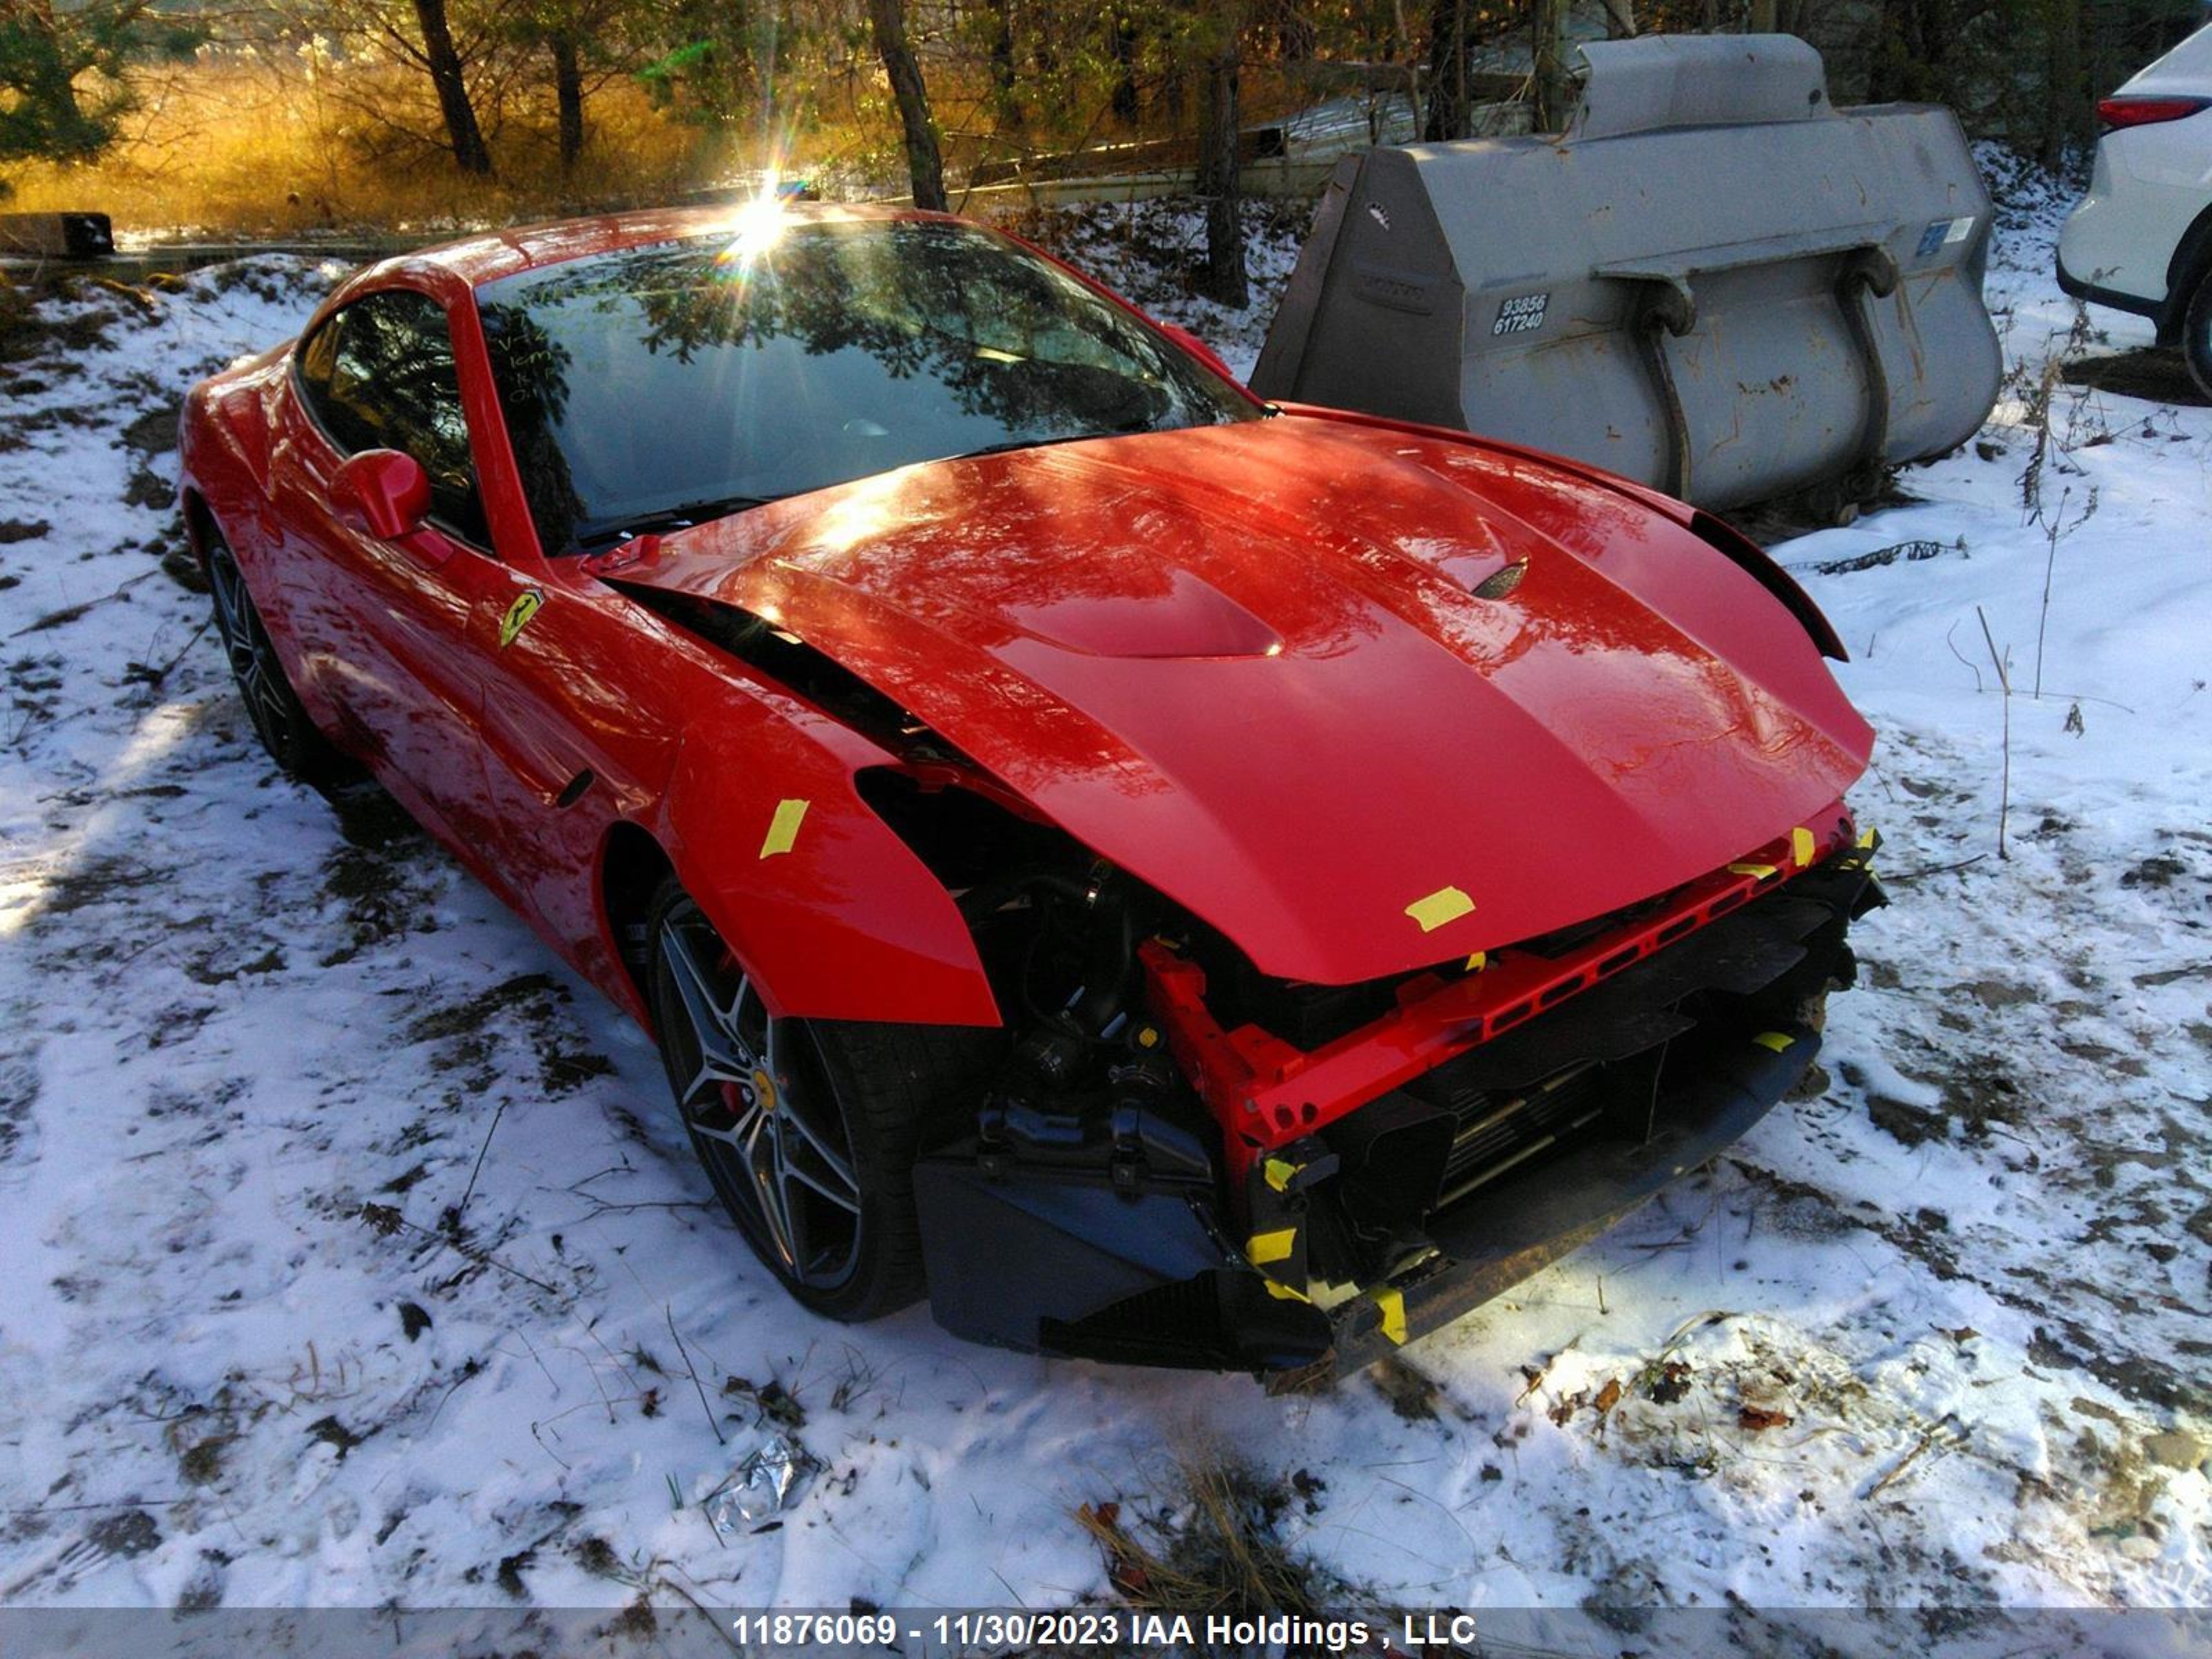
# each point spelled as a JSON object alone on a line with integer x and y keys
{"x": 518, "y": 615}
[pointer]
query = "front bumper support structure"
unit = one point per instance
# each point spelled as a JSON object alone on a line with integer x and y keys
{"x": 1123, "y": 1263}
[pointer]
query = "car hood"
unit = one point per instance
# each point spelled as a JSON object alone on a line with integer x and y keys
{"x": 1249, "y": 665}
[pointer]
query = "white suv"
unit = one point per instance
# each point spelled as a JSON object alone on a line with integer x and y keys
{"x": 2141, "y": 239}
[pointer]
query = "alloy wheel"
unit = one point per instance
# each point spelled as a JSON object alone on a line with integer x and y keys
{"x": 253, "y": 658}
{"x": 761, "y": 1111}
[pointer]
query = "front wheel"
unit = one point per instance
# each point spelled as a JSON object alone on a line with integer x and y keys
{"x": 809, "y": 1130}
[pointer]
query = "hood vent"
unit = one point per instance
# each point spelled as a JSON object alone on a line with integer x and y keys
{"x": 1498, "y": 583}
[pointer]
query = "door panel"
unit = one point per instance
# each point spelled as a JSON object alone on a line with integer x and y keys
{"x": 400, "y": 655}
{"x": 389, "y": 621}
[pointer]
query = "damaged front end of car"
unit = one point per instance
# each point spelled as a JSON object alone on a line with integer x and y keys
{"x": 1250, "y": 1102}
{"x": 1184, "y": 1162}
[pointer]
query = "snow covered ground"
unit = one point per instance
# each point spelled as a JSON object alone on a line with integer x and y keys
{"x": 351, "y": 1254}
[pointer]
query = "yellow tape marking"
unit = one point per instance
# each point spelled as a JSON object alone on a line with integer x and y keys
{"x": 783, "y": 828}
{"x": 518, "y": 615}
{"x": 1272, "y": 1246}
{"x": 1868, "y": 838}
{"x": 1801, "y": 847}
{"x": 1284, "y": 1292}
{"x": 1763, "y": 872}
{"x": 1393, "y": 1306}
{"x": 1477, "y": 962}
{"x": 1445, "y": 904}
{"x": 1279, "y": 1174}
{"x": 1774, "y": 1039}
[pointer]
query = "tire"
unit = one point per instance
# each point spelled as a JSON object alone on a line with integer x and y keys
{"x": 2196, "y": 334}
{"x": 820, "y": 1182}
{"x": 280, "y": 719}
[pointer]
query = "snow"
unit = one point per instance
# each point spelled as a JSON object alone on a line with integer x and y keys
{"x": 279, "y": 1085}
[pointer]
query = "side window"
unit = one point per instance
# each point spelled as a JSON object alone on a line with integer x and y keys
{"x": 380, "y": 375}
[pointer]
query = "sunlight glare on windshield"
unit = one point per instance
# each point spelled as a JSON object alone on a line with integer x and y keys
{"x": 758, "y": 227}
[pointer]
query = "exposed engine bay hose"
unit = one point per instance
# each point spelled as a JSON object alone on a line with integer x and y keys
{"x": 1107, "y": 953}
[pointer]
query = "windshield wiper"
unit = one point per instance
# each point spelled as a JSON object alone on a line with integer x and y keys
{"x": 1012, "y": 444}
{"x": 682, "y": 516}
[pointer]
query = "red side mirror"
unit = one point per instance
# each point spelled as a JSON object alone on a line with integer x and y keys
{"x": 382, "y": 492}
{"x": 1198, "y": 349}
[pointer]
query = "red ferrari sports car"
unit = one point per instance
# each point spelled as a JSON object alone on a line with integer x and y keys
{"x": 1177, "y": 878}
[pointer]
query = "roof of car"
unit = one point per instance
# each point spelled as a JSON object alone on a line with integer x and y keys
{"x": 493, "y": 254}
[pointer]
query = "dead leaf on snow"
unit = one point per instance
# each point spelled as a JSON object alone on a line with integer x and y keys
{"x": 1667, "y": 1383}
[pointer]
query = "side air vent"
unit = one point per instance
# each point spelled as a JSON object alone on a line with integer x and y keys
{"x": 786, "y": 660}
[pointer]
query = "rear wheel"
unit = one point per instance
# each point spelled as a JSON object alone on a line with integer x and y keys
{"x": 280, "y": 720}
{"x": 809, "y": 1130}
{"x": 2196, "y": 334}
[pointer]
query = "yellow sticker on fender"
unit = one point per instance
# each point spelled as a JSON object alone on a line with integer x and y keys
{"x": 1445, "y": 904}
{"x": 518, "y": 615}
{"x": 1391, "y": 1305}
{"x": 783, "y": 828}
{"x": 1802, "y": 846}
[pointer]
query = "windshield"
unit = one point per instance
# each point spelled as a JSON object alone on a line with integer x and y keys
{"x": 662, "y": 384}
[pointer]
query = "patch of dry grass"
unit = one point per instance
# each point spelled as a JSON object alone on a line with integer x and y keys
{"x": 1213, "y": 1541}
{"x": 259, "y": 146}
